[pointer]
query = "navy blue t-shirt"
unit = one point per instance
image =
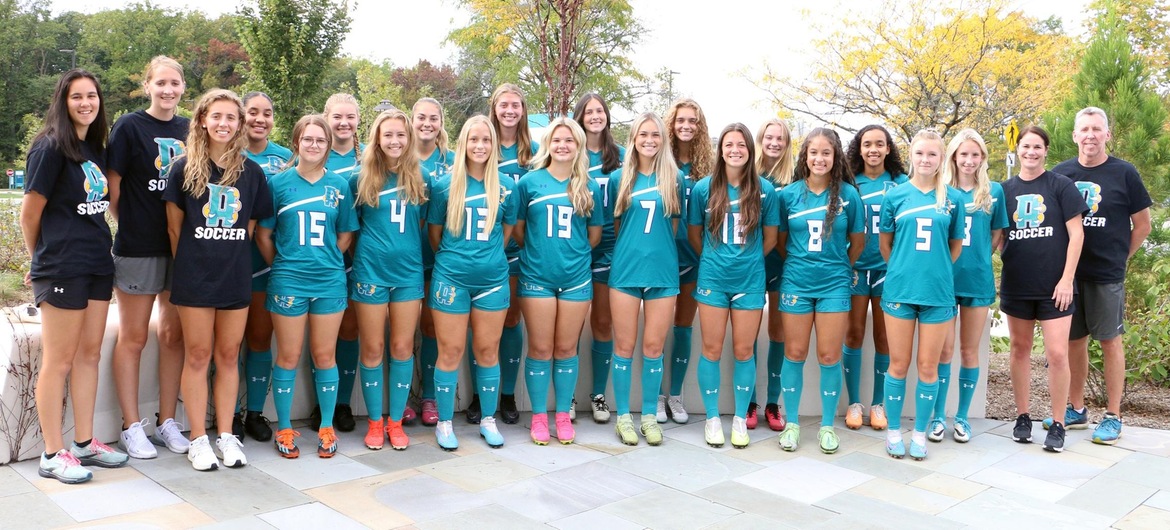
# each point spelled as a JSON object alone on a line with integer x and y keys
{"x": 213, "y": 263}
{"x": 1113, "y": 191}
{"x": 1037, "y": 238}
{"x": 142, "y": 149}
{"x": 74, "y": 239}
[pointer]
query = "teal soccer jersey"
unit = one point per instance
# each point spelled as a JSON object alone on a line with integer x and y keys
{"x": 603, "y": 252}
{"x": 272, "y": 159}
{"x": 438, "y": 164}
{"x": 817, "y": 267}
{"x": 308, "y": 219}
{"x": 644, "y": 253}
{"x": 473, "y": 259}
{"x": 872, "y": 192}
{"x": 920, "y": 269}
{"x": 773, "y": 263}
{"x": 973, "y": 275}
{"x": 348, "y": 165}
{"x": 510, "y": 169}
{"x": 390, "y": 243}
{"x": 735, "y": 262}
{"x": 556, "y": 251}
{"x": 686, "y": 255}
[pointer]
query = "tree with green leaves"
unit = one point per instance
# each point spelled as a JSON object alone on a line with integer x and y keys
{"x": 556, "y": 49}
{"x": 291, "y": 43}
{"x": 1113, "y": 78}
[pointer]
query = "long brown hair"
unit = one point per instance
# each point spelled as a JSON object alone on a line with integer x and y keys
{"x": 718, "y": 200}
{"x": 611, "y": 157}
{"x": 197, "y": 173}
{"x": 702, "y": 154}
{"x": 838, "y": 174}
{"x": 58, "y": 125}
{"x": 377, "y": 165}
{"x": 523, "y": 137}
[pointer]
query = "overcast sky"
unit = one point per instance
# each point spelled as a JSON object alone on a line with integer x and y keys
{"x": 708, "y": 44}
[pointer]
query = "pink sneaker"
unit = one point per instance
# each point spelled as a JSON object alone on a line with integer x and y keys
{"x": 539, "y": 429}
{"x": 408, "y": 415}
{"x": 430, "y": 413}
{"x": 565, "y": 432}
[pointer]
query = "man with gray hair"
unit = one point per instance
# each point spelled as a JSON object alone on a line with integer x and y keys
{"x": 1115, "y": 227}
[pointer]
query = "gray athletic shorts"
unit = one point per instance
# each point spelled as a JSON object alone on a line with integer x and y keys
{"x": 1100, "y": 310}
{"x": 151, "y": 275}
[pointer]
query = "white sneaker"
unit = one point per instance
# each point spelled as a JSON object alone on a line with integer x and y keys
{"x": 600, "y": 409}
{"x": 739, "y": 432}
{"x": 231, "y": 450}
{"x": 170, "y": 435}
{"x": 573, "y": 410}
{"x": 678, "y": 413}
{"x": 660, "y": 415}
{"x": 713, "y": 432}
{"x": 135, "y": 443}
{"x": 201, "y": 456}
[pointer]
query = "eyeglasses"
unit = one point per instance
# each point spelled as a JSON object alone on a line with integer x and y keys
{"x": 310, "y": 142}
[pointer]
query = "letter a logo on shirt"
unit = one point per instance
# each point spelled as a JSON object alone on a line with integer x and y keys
{"x": 1029, "y": 211}
{"x": 332, "y": 197}
{"x": 168, "y": 150}
{"x": 1091, "y": 191}
{"x": 96, "y": 186}
{"x": 223, "y": 206}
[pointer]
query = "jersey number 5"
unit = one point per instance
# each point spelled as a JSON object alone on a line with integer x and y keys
{"x": 923, "y": 234}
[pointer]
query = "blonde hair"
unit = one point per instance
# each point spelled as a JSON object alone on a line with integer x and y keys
{"x": 157, "y": 62}
{"x": 523, "y": 137}
{"x": 940, "y": 183}
{"x": 665, "y": 170}
{"x": 342, "y": 98}
{"x": 782, "y": 170}
{"x": 702, "y": 154}
{"x": 982, "y": 195}
{"x": 457, "y": 193}
{"x": 579, "y": 193}
{"x": 443, "y": 141}
{"x": 197, "y": 173}
{"x": 299, "y": 131}
{"x": 377, "y": 165}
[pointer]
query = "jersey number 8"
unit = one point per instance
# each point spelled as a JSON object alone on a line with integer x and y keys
{"x": 816, "y": 227}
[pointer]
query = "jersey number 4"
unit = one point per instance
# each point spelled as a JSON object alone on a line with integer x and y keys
{"x": 398, "y": 215}
{"x": 312, "y": 228}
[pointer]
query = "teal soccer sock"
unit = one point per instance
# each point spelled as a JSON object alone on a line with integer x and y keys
{"x": 283, "y": 381}
{"x": 895, "y": 398}
{"x": 428, "y": 353}
{"x": 775, "y": 365}
{"x": 744, "y": 378}
{"x": 445, "y": 382}
{"x": 651, "y": 382}
{"x": 601, "y": 354}
{"x": 623, "y": 378}
{"x": 401, "y": 373}
{"x": 372, "y": 383}
{"x": 327, "y": 388}
{"x": 944, "y": 384}
{"x": 709, "y": 385}
{"x": 830, "y": 392}
{"x": 925, "y": 395}
{"x": 487, "y": 379}
{"x": 511, "y": 352}
{"x": 851, "y": 362}
{"x": 881, "y": 363}
{"x": 537, "y": 374}
{"x": 257, "y": 370}
{"x": 565, "y": 381}
{"x": 791, "y": 386}
{"x": 968, "y": 379}
{"x": 347, "y": 366}
{"x": 680, "y": 359}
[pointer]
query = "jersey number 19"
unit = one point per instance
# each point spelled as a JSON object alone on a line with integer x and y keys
{"x": 560, "y": 221}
